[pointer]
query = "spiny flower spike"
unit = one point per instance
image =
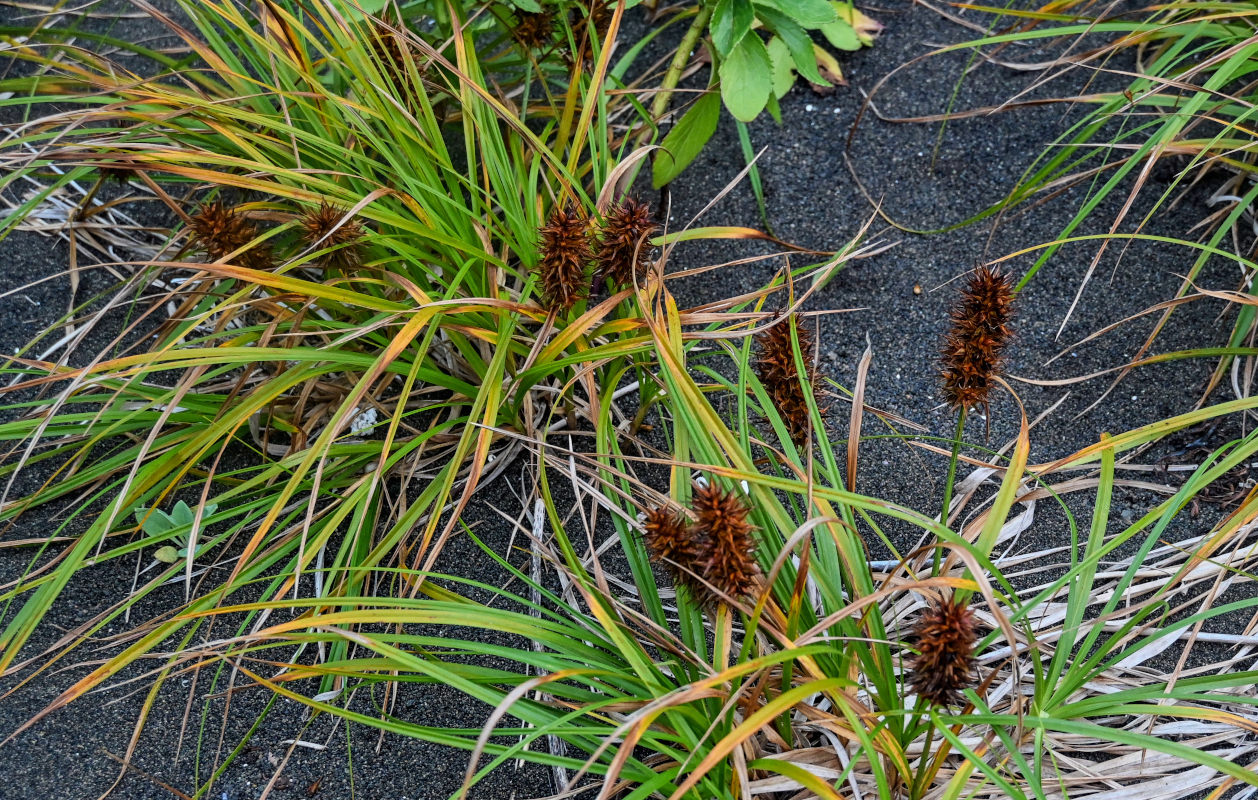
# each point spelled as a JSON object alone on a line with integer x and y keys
{"x": 728, "y": 560}
{"x": 621, "y": 250}
{"x": 565, "y": 254}
{"x": 944, "y": 665}
{"x": 980, "y": 331}
{"x": 319, "y": 229}
{"x": 393, "y": 51}
{"x": 219, "y": 231}
{"x": 593, "y": 23}
{"x": 670, "y": 540}
{"x": 534, "y": 29}
{"x": 779, "y": 373}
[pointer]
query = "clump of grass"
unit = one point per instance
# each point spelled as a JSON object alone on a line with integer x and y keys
{"x": 398, "y": 386}
{"x": 787, "y": 384}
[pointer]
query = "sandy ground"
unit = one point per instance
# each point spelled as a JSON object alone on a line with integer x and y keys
{"x": 813, "y": 200}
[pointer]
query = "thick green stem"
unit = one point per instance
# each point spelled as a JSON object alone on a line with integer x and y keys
{"x": 952, "y": 477}
{"x": 680, "y": 59}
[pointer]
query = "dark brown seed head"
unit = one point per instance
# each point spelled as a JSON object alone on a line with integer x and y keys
{"x": 781, "y": 377}
{"x": 980, "y": 330}
{"x": 599, "y": 16}
{"x": 319, "y": 229}
{"x": 621, "y": 250}
{"x": 671, "y": 541}
{"x": 565, "y": 255}
{"x": 728, "y": 560}
{"x": 534, "y": 29}
{"x": 591, "y": 20}
{"x": 219, "y": 231}
{"x": 944, "y": 665}
{"x": 396, "y": 57}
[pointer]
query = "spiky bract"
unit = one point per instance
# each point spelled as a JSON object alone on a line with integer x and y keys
{"x": 670, "y": 540}
{"x": 593, "y": 23}
{"x": 622, "y": 252}
{"x": 779, "y": 373}
{"x": 944, "y": 636}
{"x": 728, "y": 560}
{"x": 319, "y": 228}
{"x": 220, "y": 231}
{"x": 565, "y": 254}
{"x": 534, "y": 29}
{"x": 980, "y": 331}
{"x": 397, "y": 58}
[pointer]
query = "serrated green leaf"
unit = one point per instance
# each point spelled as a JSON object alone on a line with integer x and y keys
{"x": 747, "y": 78}
{"x": 809, "y": 13}
{"x": 783, "y": 66}
{"x": 798, "y": 44}
{"x": 686, "y": 139}
{"x": 774, "y": 110}
{"x": 731, "y": 19}
{"x": 524, "y": 5}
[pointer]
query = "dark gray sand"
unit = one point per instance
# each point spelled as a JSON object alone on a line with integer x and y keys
{"x": 813, "y": 201}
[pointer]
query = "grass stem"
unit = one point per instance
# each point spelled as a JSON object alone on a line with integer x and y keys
{"x": 950, "y": 480}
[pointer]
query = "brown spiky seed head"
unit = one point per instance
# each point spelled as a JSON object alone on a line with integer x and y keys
{"x": 535, "y": 29}
{"x": 592, "y": 19}
{"x": 319, "y": 228}
{"x": 621, "y": 250}
{"x": 219, "y": 230}
{"x": 728, "y": 560}
{"x": 564, "y": 258}
{"x": 980, "y": 330}
{"x": 396, "y": 56}
{"x": 671, "y": 541}
{"x": 600, "y": 16}
{"x": 779, "y": 373}
{"x": 944, "y": 664}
